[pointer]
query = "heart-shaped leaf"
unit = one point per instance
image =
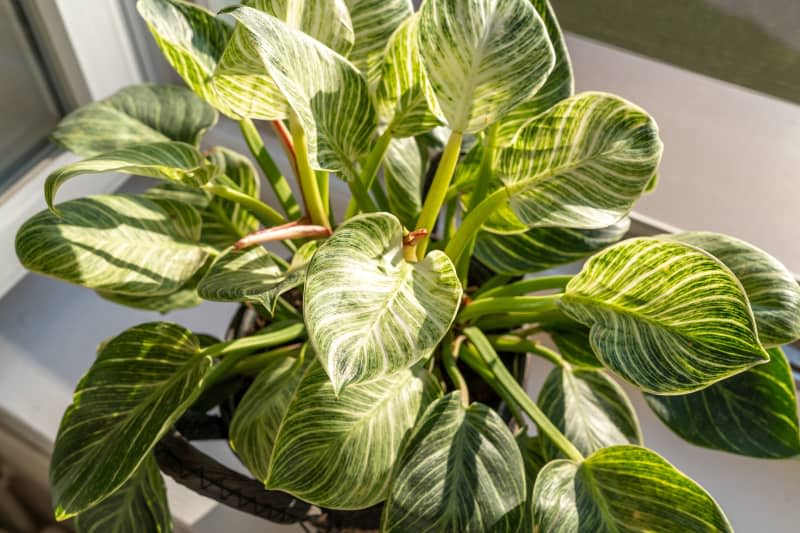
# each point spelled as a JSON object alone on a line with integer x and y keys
{"x": 329, "y": 96}
{"x": 465, "y": 45}
{"x": 666, "y": 316}
{"x": 192, "y": 40}
{"x": 559, "y": 84}
{"x": 622, "y": 488}
{"x": 370, "y": 312}
{"x": 589, "y": 408}
{"x": 299, "y": 437}
{"x": 582, "y": 164}
{"x": 460, "y": 469}
{"x": 404, "y": 95}
{"x": 374, "y": 22}
{"x": 139, "y": 506}
{"x": 141, "y": 382}
{"x": 119, "y": 243}
{"x": 542, "y": 248}
{"x": 402, "y": 172}
{"x": 252, "y": 276}
{"x": 772, "y": 290}
{"x": 753, "y": 413}
{"x": 172, "y": 161}
{"x": 137, "y": 114}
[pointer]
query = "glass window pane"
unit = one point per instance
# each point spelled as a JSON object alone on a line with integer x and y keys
{"x": 753, "y": 43}
{"x": 28, "y": 109}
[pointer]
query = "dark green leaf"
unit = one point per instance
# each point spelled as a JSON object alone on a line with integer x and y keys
{"x": 753, "y": 413}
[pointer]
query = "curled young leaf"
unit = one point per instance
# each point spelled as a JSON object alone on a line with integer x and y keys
{"x": 622, "y": 488}
{"x": 141, "y": 382}
{"x": 120, "y": 243}
{"x": 582, "y": 164}
{"x": 483, "y": 57}
{"x": 772, "y": 290}
{"x": 666, "y": 316}
{"x": 137, "y": 114}
{"x": 459, "y": 470}
{"x": 370, "y": 312}
{"x": 589, "y": 408}
{"x": 753, "y": 413}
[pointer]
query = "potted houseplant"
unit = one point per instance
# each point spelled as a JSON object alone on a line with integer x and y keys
{"x": 369, "y": 378}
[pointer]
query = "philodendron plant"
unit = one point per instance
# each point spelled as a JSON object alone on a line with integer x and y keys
{"x": 456, "y": 129}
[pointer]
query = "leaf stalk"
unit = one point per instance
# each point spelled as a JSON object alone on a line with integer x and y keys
{"x": 315, "y": 207}
{"x": 370, "y": 170}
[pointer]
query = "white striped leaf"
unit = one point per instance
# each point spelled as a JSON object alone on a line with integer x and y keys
{"x": 374, "y": 22}
{"x": 589, "y": 408}
{"x": 772, "y": 290}
{"x": 140, "y": 383}
{"x": 241, "y": 78}
{"x": 753, "y": 413}
{"x": 326, "y": 92}
{"x": 404, "y": 95}
{"x": 534, "y": 460}
{"x": 137, "y": 114}
{"x": 334, "y": 451}
{"x": 622, "y": 488}
{"x": 582, "y": 164}
{"x": 460, "y": 469}
{"x": 402, "y": 172}
{"x": 139, "y": 506}
{"x": 368, "y": 311}
{"x": 192, "y": 40}
{"x": 119, "y": 243}
{"x": 559, "y": 84}
{"x": 172, "y": 161}
{"x": 251, "y": 275}
{"x": 483, "y": 57}
{"x": 542, "y": 248}
{"x": 666, "y": 316}
{"x": 183, "y": 298}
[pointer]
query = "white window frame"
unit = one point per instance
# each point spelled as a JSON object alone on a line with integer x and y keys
{"x": 91, "y": 57}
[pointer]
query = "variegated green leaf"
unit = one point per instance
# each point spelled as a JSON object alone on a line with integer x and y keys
{"x": 141, "y": 382}
{"x": 666, "y": 316}
{"x": 192, "y": 40}
{"x": 139, "y": 506}
{"x": 559, "y": 84}
{"x": 483, "y": 57}
{"x": 582, "y": 164}
{"x": 374, "y": 22}
{"x": 333, "y": 451}
{"x": 460, "y": 469}
{"x": 173, "y": 161}
{"x": 327, "y": 21}
{"x": 772, "y": 290}
{"x": 622, "y": 488}
{"x": 542, "y": 248}
{"x": 184, "y": 298}
{"x": 259, "y": 416}
{"x": 241, "y": 78}
{"x": 589, "y": 408}
{"x": 369, "y": 312}
{"x": 402, "y": 172}
{"x": 328, "y": 95}
{"x": 119, "y": 243}
{"x": 252, "y": 276}
{"x": 753, "y": 413}
{"x": 404, "y": 96}
{"x": 137, "y": 114}
{"x": 534, "y": 460}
